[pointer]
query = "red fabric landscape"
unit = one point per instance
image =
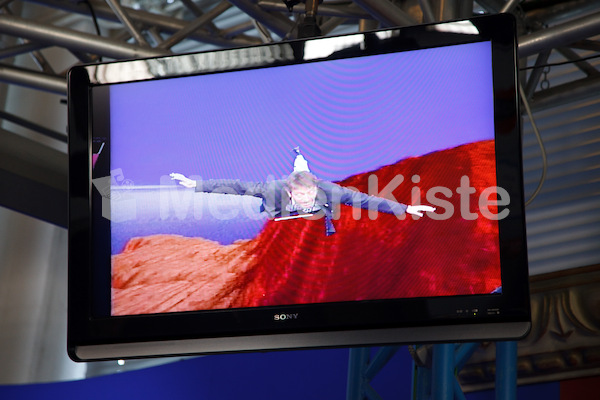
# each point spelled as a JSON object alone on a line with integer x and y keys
{"x": 293, "y": 262}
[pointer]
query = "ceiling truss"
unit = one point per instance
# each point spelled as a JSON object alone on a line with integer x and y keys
{"x": 126, "y": 31}
{"x": 564, "y": 30}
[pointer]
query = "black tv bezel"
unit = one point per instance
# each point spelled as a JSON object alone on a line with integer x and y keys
{"x": 94, "y": 335}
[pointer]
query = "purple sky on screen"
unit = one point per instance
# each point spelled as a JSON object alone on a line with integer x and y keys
{"x": 347, "y": 116}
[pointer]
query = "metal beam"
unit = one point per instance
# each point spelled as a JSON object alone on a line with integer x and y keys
{"x": 427, "y": 10}
{"x": 536, "y": 72}
{"x": 330, "y": 10}
{"x": 331, "y": 23}
{"x": 584, "y": 66}
{"x": 195, "y": 25}
{"x": 263, "y": 32}
{"x": 73, "y": 40}
{"x": 445, "y": 10}
{"x": 164, "y": 23}
{"x": 386, "y": 12}
{"x": 41, "y": 62}
{"x": 560, "y": 35}
{"x": 20, "y": 49}
{"x": 32, "y": 79}
{"x": 465, "y": 9}
{"x": 561, "y": 12}
{"x": 509, "y": 6}
{"x": 506, "y": 370}
{"x": 194, "y": 9}
{"x": 586, "y": 45}
{"x": 491, "y": 6}
{"x": 276, "y": 23}
{"x": 235, "y": 30}
{"x": 443, "y": 366}
{"x": 126, "y": 21}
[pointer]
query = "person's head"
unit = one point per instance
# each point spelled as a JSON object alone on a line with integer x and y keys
{"x": 302, "y": 186}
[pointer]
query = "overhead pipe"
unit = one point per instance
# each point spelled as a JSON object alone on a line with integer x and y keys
{"x": 195, "y": 25}
{"x": 388, "y": 13}
{"x": 446, "y": 10}
{"x": 584, "y": 66}
{"x": 465, "y": 9}
{"x": 194, "y": 9}
{"x": 238, "y": 29}
{"x": 276, "y": 23}
{"x": 586, "y": 44}
{"x": 264, "y": 33}
{"x": 164, "y": 23}
{"x": 560, "y": 35}
{"x": 126, "y": 21}
{"x": 509, "y": 6}
{"x": 427, "y": 10}
{"x": 536, "y": 73}
{"x": 32, "y": 79}
{"x": 329, "y": 10}
{"x": 331, "y": 23}
{"x": 561, "y": 12}
{"x": 72, "y": 40}
{"x": 491, "y": 6}
{"x": 20, "y": 49}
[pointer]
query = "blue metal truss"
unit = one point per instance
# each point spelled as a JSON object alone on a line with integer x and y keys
{"x": 435, "y": 382}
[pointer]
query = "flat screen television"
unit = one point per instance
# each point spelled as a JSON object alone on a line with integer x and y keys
{"x": 268, "y": 197}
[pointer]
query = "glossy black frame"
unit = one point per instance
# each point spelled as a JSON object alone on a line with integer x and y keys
{"x": 95, "y": 335}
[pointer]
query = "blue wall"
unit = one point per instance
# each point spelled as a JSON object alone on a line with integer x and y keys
{"x": 291, "y": 375}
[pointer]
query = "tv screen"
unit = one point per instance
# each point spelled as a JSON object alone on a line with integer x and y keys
{"x": 352, "y": 190}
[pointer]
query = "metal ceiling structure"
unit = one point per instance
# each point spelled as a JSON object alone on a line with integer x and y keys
{"x": 92, "y": 30}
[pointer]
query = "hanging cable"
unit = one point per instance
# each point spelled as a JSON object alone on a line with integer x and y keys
{"x": 94, "y": 19}
{"x": 93, "y": 14}
{"x": 555, "y": 64}
{"x": 541, "y": 144}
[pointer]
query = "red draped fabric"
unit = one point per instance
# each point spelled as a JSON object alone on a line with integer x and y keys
{"x": 454, "y": 252}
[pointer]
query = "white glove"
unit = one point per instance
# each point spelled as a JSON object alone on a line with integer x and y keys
{"x": 183, "y": 180}
{"x": 418, "y": 210}
{"x": 300, "y": 164}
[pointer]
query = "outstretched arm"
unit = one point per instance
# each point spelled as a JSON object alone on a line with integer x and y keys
{"x": 368, "y": 202}
{"x": 226, "y": 186}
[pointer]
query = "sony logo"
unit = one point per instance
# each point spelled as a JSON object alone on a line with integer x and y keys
{"x": 284, "y": 317}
